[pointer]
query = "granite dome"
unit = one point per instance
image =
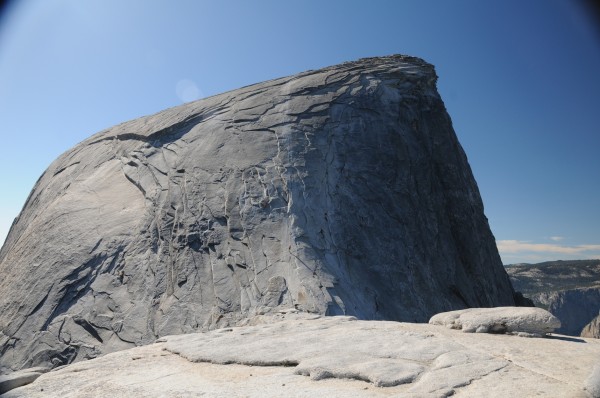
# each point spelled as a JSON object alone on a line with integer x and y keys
{"x": 337, "y": 191}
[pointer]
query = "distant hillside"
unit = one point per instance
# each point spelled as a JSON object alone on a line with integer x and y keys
{"x": 553, "y": 276}
{"x": 570, "y": 290}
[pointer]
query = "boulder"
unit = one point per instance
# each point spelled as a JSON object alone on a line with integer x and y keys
{"x": 524, "y": 321}
{"x": 337, "y": 191}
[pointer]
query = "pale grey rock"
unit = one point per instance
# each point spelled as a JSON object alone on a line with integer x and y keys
{"x": 592, "y": 383}
{"x": 337, "y": 191}
{"x": 592, "y": 329}
{"x": 331, "y": 356}
{"x": 17, "y": 379}
{"x": 329, "y": 347}
{"x": 524, "y": 321}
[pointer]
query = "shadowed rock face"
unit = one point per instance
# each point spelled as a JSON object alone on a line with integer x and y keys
{"x": 575, "y": 308}
{"x": 337, "y": 191}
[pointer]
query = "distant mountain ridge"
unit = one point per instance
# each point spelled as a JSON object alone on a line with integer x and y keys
{"x": 533, "y": 279}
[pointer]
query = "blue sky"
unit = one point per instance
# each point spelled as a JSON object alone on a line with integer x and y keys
{"x": 519, "y": 78}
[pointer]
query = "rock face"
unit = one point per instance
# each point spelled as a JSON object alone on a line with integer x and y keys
{"x": 513, "y": 320}
{"x": 308, "y": 356}
{"x": 592, "y": 329}
{"x": 337, "y": 191}
{"x": 575, "y": 308}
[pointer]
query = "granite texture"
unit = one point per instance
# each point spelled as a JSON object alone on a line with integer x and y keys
{"x": 304, "y": 355}
{"x": 592, "y": 329}
{"x": 525, "y": 321}
{"x": 20, "y": 378}
{"x": 337, "y": 191}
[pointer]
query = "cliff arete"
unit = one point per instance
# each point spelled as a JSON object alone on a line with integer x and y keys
{"x": 337, "y": 191}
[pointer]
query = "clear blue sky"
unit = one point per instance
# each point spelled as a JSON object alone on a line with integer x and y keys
{"x": 520, "y": 79}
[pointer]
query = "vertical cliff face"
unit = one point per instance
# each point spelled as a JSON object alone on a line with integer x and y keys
{"x": 576, "y": 309}
{"x": 337, "y": 191}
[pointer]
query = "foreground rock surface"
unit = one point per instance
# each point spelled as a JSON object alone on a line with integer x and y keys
{"x": 308, "y": 356}
{"x": 337, "y": 191}
{"x": 513, "y": 320}
{"x": 20, "y": 378}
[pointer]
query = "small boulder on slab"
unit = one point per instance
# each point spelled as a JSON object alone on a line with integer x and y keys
{"x": 522, "y": 321}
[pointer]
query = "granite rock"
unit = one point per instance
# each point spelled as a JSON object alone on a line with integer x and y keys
{"x": 592, "y": 329}
{"x": 337, "y": 191}
{"x": 304, "y": 355}
{"x": 20, "y": 378}
{"x": 524, "y": 321}
{"x": 592, "y": 383}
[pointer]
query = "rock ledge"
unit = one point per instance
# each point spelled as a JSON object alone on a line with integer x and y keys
{"x": 341, "y": 356}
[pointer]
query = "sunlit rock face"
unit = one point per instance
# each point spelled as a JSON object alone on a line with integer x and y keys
{"x": 337, "y": 191}
{"x": 309, "y": 355}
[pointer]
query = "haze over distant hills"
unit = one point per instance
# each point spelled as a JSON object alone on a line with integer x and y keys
{"x": 550, "y": 276}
